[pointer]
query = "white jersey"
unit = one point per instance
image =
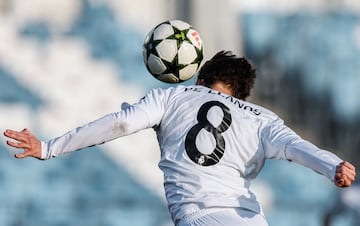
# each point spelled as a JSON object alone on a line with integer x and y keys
{"x": 212, "y": 145}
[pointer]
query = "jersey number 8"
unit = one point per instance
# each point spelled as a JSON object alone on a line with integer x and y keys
{"x": 203, "y": 123}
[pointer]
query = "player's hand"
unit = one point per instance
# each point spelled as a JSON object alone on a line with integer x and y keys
{"x": 24, "y": 140}
{"x": 345, "y": 174}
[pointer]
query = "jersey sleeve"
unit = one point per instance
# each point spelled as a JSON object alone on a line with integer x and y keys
{"x": 280, "y": 142}
{"x": 144, "y": 114}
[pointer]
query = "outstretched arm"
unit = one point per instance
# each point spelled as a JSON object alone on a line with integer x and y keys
{"x": 24, "y": 140}
{"x": 281, "y": 142}
{"x": 104, "y": 129}
{"x": 144, "y": 114}
{"x": 342, "y": 173}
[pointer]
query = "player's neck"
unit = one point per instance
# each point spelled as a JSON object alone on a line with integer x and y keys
{"x": 222, "y": 87}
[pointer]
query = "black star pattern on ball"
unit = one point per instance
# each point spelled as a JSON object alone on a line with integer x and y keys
{"x": 180, "y": 36}
{"x": 150, "y": 46}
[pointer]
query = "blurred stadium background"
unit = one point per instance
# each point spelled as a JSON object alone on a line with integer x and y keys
{"x": 66, "y": 62}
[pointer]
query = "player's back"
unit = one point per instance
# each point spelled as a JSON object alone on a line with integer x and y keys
{"x": 210, "y": 148}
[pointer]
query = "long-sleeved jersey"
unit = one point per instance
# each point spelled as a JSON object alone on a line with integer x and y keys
{"x": 212, "y": 145}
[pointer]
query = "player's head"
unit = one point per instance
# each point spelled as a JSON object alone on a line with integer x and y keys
{"x": 235, "y": 72}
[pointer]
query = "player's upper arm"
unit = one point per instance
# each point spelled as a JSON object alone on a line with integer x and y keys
{"x": 275, "y": 137}
{"x": 153, "y": 105}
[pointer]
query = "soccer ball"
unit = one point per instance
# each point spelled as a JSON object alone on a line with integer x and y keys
{"x": 173, "y": 51}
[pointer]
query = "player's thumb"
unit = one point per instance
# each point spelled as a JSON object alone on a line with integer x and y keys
{"x": 340, "y": 182}
{"x": 22, "y": 155}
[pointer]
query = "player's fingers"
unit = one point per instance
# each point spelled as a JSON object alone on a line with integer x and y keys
{"x": 346, "y": 175}
{"x": 10, "y": 133}
{"x": 24, "y": 140}
{"x": 26, "y": 131}
{"x": 349, "y": 165}
{"x": 345, "y": 166}
{"x": 346, "y": 183}
{"x": 347, "y": 169}
{"x": 17, "y": 144}
{"x": 339, "y": 182}
{"x": 343, "y": 184}
{"x": 23, "y": 155}
{"x": 344, "y": 179}
{"x": 12, "y": 144}
{"x": 19, "y": 136}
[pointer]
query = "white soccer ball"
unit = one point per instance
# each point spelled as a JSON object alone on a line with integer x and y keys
{"x": 173, "y": 51}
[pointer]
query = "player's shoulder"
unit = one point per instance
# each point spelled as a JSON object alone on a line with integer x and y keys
{"x": 171, "y": 91}
{"x": 163, "y": 94}
{"x": 254, "y": 110}
{"x": 260, "y": 110}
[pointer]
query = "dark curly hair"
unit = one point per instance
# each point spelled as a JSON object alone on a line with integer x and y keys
{"x": 235, "y": 72}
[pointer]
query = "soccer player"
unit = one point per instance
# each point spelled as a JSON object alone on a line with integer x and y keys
{"x": 212, "y": 142}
